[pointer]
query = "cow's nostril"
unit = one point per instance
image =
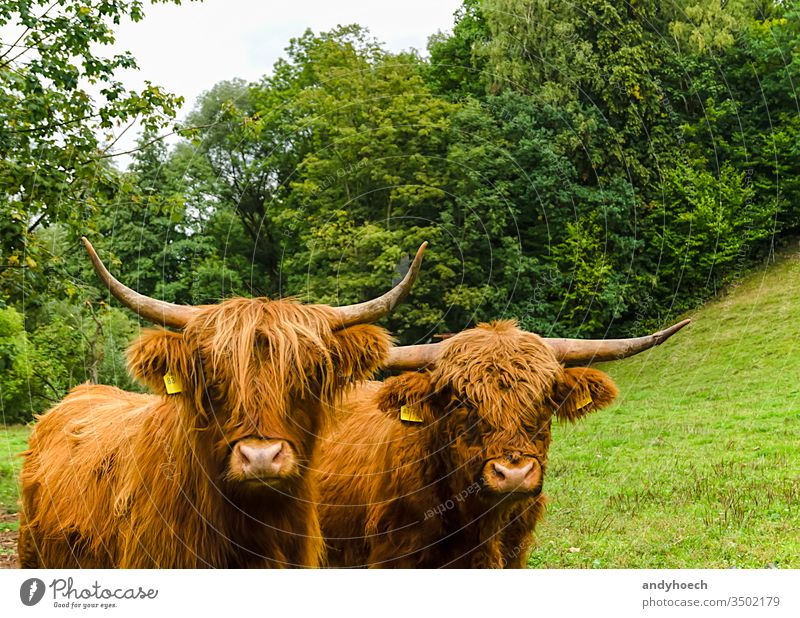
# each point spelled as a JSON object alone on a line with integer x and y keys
{"x": 243, "y": 456}
{"x": 498, "y": 472}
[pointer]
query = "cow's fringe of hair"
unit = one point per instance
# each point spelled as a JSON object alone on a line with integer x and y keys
{"x": 498, "y": 368}
{"x": 290, "y": 337}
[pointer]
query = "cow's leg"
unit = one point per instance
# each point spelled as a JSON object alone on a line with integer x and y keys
{"x": 48, "y": 550}
{"x": 343, "y": 528}
{"x": 62, "y": 551}
{"x": 516, "y": 547}
{"x": 284, "y": 538}
{"x": 306, "y": 553}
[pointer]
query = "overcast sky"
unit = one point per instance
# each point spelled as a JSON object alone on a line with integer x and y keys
{"x": 188, "y": 48}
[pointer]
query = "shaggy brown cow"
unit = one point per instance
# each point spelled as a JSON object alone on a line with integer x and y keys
{"x": 444, "y": 468}
{"x": 213, "y": 475}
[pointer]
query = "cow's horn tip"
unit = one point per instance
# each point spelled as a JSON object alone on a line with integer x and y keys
{"x": 89, "y": 247}
{"x": 667, "y": 333}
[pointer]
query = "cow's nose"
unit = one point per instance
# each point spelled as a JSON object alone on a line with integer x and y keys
{"x": 262, "y": 459}
{"x": 505, "y": 477}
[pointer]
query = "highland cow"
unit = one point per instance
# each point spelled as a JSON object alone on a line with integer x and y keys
{"x": 211, "y": 470}
{"x": 445, "y": 467}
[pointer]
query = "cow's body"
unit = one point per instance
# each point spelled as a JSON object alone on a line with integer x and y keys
{"x": 211, "y": 470}
{"x": 461, "y": 486}
{"x": 113, "y": 479}
{"x": 121, "y": 479}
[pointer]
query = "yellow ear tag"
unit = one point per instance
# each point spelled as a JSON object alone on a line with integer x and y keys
{"x": 173, "y": 384}
{"x": 407, "y": 413}
{"x": 585, "y": 401}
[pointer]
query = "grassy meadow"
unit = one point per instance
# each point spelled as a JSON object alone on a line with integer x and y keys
{"x": 697, "y": 466}
{"x": 699, "y": 463}
{"x": 13, "y": 440}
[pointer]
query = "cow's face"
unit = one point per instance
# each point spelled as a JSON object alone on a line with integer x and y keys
{"x": 489, "y": 400}
{"x": 258, "y": 376}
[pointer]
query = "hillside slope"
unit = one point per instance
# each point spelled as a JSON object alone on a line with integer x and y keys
{"x": 699, "y": 463}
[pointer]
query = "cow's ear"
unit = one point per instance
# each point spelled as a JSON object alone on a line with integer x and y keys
{"x": 408, "y": 397}
{"x": 582, "y": 390}
{"x": 359, "y": 351}
{"x": 161, "y": 360}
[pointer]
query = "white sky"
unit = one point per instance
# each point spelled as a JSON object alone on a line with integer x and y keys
{"x": 187, "y": 49}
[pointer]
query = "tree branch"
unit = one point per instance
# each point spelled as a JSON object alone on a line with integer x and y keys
{"x": 47, "y": 383}
{"x": 118, "y": 137}
{"x": 36, "y": 223}
{"x": 21, "y": 36}
{"x": 54, "y": 125}
{"x": 141, "y": 147}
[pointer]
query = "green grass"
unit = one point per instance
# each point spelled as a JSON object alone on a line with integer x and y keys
{"x": 13, "y": 440}
{"x": 699, "y": 463}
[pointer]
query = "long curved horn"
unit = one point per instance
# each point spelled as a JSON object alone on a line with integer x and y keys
{"x": 411, "y": 357}
{"x": 579, "y": 351}
{"x": 155, "y": 311}
{"x": 375, "y": 309}
{"x": 568, "y": 351}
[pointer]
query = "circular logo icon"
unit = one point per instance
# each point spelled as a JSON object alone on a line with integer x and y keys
{"x": 31, "y": 591}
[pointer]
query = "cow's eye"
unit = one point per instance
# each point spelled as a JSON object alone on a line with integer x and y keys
{"x": 530, "y": 429}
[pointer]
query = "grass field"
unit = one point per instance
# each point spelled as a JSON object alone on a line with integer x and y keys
{"x": 13, "y": 440}
{"x": 699, "y": 464}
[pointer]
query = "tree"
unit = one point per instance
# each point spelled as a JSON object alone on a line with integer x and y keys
{"x": 457, "y": 64}
{"x": 53, "y": 168}
{"x": 335, "y": 160}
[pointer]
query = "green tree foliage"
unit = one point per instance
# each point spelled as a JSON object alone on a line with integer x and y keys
{"x": 72, "y": 344}
{"x": 457, "y": 61}
{"x": 589, "y": 169}
{"x": 163, "y": 238}
{"x": 676, "y": 129}
{"x": 60, "y": 98}
{"x": 336, "y": 160}
{"x": 15, "y": 370}
{"x": 58, "y": 93}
